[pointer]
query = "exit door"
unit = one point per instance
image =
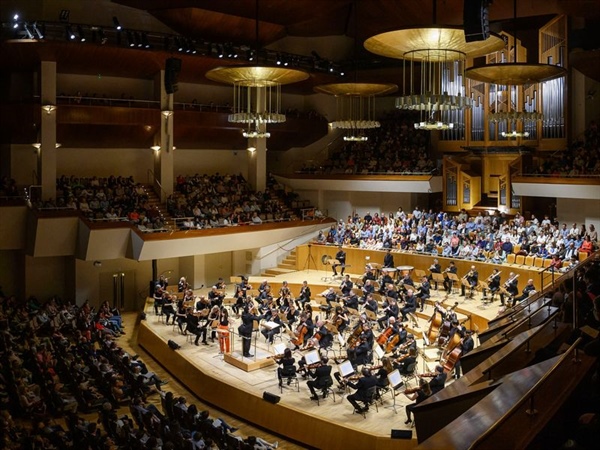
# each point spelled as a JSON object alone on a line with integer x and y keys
{"x": 118, "y": 288}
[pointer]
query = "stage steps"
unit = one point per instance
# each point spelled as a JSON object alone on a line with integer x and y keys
{"x": 286, "y": 266}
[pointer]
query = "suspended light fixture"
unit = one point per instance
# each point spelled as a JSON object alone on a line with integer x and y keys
{"x": 355, "y": 102}
{"x": 434, "y": 61}
{"x": 356, "y": 106}
{"x": 256, "y": 91}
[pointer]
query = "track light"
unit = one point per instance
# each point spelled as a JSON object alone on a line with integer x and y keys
{"x": 15, "y": 21}
{"x": 138, "y": 39}
{"x": 80, "y": 33}
{"x": 220, "y": 51}
{"x": 278, "y": 59}
{"x": 130, "y": 42}
{"x": 145, "y": 42}
{"x": 70, "y": 34}
{"x": 39, "y": 32}
{"x": 116, "y": 23}
{"x": 178, "y": 44}
{"x": 166, "y": 43}
{"x": 27, "y": 31}
{"x": 250, "y": 55}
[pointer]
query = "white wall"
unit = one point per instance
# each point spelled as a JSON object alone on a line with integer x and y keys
{"x": 571, "y": 210}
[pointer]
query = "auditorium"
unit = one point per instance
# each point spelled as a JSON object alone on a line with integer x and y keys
{"x": 258, "y": 224}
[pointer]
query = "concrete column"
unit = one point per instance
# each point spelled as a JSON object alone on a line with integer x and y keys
{"x": 47, "y": 151}
{"x": 163, "y": 158}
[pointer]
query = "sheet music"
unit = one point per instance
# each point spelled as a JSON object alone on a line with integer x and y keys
{"x": 312, "y": 357}
{"x": 395, "y": 379}
{"x": 278, "y": 349}
{"x": 270, "y": 325}
{"x": 341, "y": 339}
{"x": 378, "y": 351}
{"x": 346, "y": 369}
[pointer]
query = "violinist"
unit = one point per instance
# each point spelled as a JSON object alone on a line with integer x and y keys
{"x": 202, "y": 305}
{"x": 467, "y": 344}
{"x": 194, "y": 327}
{"x": 471, "y": 278}
{"x": 264, "y": 297}
{"x": 410, "y": 304}
{"x": 182, "y": 285}
{"x": 424, "y": 292}
{"x": 287, "y": 367}
{"x": 216, "y": 296}
{"x": 223, "y": 331}
{"x": 359, "y": 354}
{"x": 390, "y": 310}
{"x": 240, "y": 301}
{"x": 330, "y": 296}
{"x": 262, "y": 287}
{"x": 304, "y": 296}
{"x": 384, "y": 370}
{"x": 269, "y": 333}
{"x": 188, "y": 297}
{"x": 447, "y": 281}
{"x": 180, "y": 315}
{"x": 351, "y": 301}
{"x": 406, "y": 363}
{"x": 213, "y": 321}
{"x": 418, "y": 395}
{"x": 158, "y": 296}
{"x": 438, "y": 379}
{"x": 346, "y": 286}
{"x": 362, "y": 386}
{"x": 168, "y": 308}
{"x": 321, "y": 378}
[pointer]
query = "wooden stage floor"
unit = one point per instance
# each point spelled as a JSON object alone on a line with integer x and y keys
{"x": 328, "y": 425}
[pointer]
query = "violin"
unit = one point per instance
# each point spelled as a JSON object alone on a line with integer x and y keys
{"x": 412, "y": 390}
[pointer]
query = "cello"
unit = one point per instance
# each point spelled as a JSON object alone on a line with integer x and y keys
{"x": 452, "y": 357}
{"x": 446, "y": 326}
{"x": 434, "y": 326}
{"x": 384, "y": 336}
{"x": 301, "y": 331}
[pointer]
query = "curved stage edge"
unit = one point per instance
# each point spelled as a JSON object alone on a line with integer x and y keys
{"x": 290, "y": 422}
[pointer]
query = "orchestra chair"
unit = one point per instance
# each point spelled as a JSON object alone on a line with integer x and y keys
{"x": 411, "y": 374}
{"x": 371, "y": 396}
{"x": 484, "y": 287}
{"x": 290, "y": 380}
{"x": 326, "y": 392}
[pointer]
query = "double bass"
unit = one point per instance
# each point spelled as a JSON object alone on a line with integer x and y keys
{"x": 446, "y": 326}
{"x": 452, "y": 357}
{"x": 434, "y": 326}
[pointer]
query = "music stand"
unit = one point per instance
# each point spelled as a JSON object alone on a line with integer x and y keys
{"x": 453, "y": 279}
{"x": 395, "y": 383}
{"x": 438, "y": 279}
{"x": 312, "y": 357}
{"x": 485, "y": 300}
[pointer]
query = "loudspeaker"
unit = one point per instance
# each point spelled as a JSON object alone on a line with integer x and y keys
{"x": 172, "y": 69}
{"x": 271, "y": 398}
{"x": 401, "y": 434}
{"x": 173, "y": 345}
{"x": 476, "y": 20}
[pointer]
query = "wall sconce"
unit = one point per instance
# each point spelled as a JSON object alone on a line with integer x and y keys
{"x": 167, "y": 113}
{"x": 156, "y": 148}
{"x": 58, "y": 145}
{"x": 37, "y": 145}
{"x": 251, "y": 149}
{"x": 48, "y": 108}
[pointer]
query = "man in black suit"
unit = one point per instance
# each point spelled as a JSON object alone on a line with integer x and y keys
{"x": 388, "y": 260}
{"x": 472, "y": 280}
{"x": 363, "y": 386}
{"x": 359, "y": 355}
{"x": 341, "y": 258}
{"x": 322, "y": 378}
{"x": 447, "y": 281}
{"x": 346, "y": 286}
{"x": 438, "y": 382}
{"x": 527, "y": 290}
{"x": 424, "y": 292}
{"x": 245, "y": 330}
{"x": 193, "y": 326}
{"x": 410, "y": 304}
{"x": 467, "y": 344}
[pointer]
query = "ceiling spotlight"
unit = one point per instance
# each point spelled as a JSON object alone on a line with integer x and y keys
{"x": 116, "y": 23}
{"x": 80, "y": 33}
{"x": 70, "y": 34}
{"x": 27, "y": 31}
{"x": 15, "y": 21}
{"x": 130, "y": 39}
{"x": 102, "y": 36}
{"x": 178, "y": 44}
{"x": 220, "y": 51}
{"x": 145, "y": 42}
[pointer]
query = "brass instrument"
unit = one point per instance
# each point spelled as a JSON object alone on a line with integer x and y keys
{"x": 509, "y": 281}
{"x": 491, "y": 277}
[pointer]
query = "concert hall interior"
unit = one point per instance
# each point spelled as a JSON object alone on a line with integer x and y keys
{"x": 340, "y": 224}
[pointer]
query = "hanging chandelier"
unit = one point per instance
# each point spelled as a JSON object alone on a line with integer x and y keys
{"x": 355, "y": 104}
{"x": 256, "y": 91}
{"x": 434, "y": 61}
{"x": 256, "y": 94}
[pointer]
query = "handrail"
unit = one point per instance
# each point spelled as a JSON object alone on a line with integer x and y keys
{"x": 525, "y": 397}
{"x": 403, "y": 172}
{"x": 155, "y": 181}
{"x": 552, "y": 175}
